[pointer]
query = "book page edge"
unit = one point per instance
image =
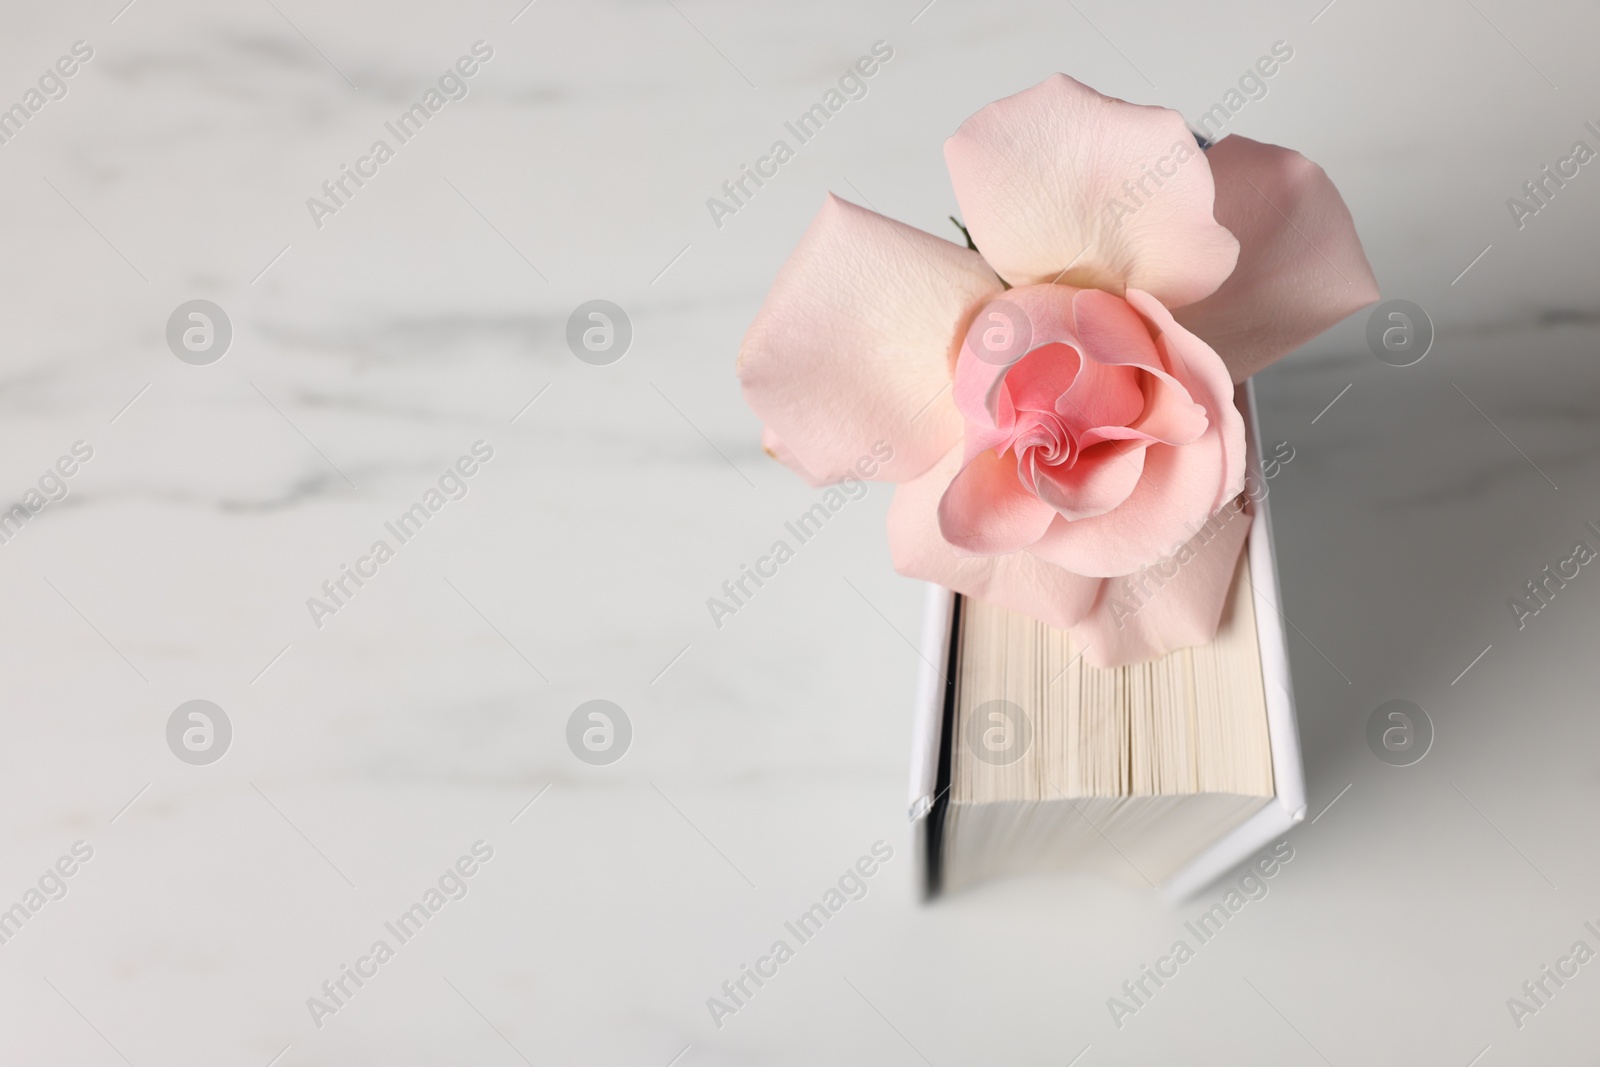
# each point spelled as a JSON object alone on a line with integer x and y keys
{"x": 1288, "y": 805}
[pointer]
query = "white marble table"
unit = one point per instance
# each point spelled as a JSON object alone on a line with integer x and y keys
{"x": 371, "y": 352}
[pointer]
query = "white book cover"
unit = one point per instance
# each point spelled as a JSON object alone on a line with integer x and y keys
{"x": 1288, "y": 805}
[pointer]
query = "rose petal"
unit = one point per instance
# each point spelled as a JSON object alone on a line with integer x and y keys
{"x": 1043, "y": 438}
{"x": 1170, "y": 414}
{"x": 1174, "y": 497}
{"x": 987, "y": 510}
{"x": 1101, "y": 395}
{"x": 1036, "y": 380}
{"x": 1162, "y": 608}
{"x": 1199, "y": 370}
{"x": 780, "y": 452}
{"x": 1046, "y": 312}
{"x": 1103, "y": 477}
{"x": 1301, "y": 268}
{"x": 1038, "y": 176}
{"x": 854, "y": 344}
{"x": 1101, "y": 434}
{"x": 1111, "y": 331}
{"x": 1020, "y": 582}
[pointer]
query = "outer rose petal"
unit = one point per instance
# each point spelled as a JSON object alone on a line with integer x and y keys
{"x": 780, "y": 452}
{"x": 1181, "y": 611}
{"x": 1198, "y": 367}
{"x": 987, "y": 510}
{"x": 1301, "y": 268}
{"x": 1037, "y": 176}
{"x": 1111, "y": 331}
{"x": 1173, "y": 498}
{"x": 1019, "y": 581}
{"x": 858, "y": 334}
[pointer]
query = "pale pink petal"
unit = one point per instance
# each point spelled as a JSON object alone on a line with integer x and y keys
{"x": 987, "y": 511}
{"x": 1174, "y": 497}
{"x": 981, "y": 435}
{"x": 856, "y": 341}
{"x": 1175, "y": 604}
{"x": 1101, "y": 395}
{"x": 1198, "y": 368}
{"x": 780, "y": 452}
{"x": 1042, "y": 439}
{"x": 1039, "y": 177}
{"x": 1038, "y": 315}
{"x": 1020, "y": 582}
{"x": 1170, "y": 414}
{"x": 1112, "y": 331}
{"x": 1040, "y": 377}
{"x": 1118, "y": 433}
{"x": 1101, "y": 478}
{"x": 1301, "y": 268}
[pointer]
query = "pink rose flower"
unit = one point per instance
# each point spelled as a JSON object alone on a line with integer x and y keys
{"x": 1079, "y": 427}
